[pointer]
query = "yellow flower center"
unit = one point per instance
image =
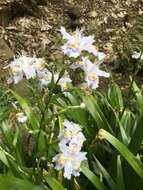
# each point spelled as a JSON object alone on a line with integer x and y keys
{"x": 94, "y": 48}
{"x": 61, "y": 160}
{"x": 65, "y": 86}
{"x": 77, "y": 166}
{"x": 93, "y": 76}
{"x": 67, "y": 134}
{"x": 73, "y": 45}
{"x": 74, "y": 147}
{"x": 79, "y": 63}
{"x": 47, "y": 77}
{"x": 15, "y": 70}
{"x": 41, "y": 66}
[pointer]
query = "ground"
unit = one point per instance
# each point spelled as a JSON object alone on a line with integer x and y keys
{"x": 29, "y": 33}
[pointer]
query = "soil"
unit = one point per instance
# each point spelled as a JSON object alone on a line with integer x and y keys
{"x": 34, "y": 29}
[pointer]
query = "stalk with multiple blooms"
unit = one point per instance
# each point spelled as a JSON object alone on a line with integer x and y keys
{"x": 75, "y": 46}
{"x": 70, "y": 158}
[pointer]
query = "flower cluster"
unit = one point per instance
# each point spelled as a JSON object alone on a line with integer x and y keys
{"x": 76, "y": 43}
{"x": 31, "y": 67}
{"x": 70, "y": 158}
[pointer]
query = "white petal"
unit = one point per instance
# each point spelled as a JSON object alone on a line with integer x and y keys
{"x": 102, "y": 73}
{"x": 101, "y": 56}
{"x": 64, "y": 33}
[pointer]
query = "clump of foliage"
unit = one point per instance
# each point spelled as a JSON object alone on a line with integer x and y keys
{"x": 66, "y": 135}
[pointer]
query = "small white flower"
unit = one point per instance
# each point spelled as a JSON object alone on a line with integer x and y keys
{"x": 92, "y": 73}
{"x": 40, "y": 65}
{"x": 46, "y": 77}
{"x": 21, "y": 117}
{"x": 76, "y": 42}
{"x": 64, "y": 82}
{"x": 28, "y": 67}
{"x": 137, "y": 55}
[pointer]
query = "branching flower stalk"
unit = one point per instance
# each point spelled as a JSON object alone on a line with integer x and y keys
{"x": 71, "y": 138}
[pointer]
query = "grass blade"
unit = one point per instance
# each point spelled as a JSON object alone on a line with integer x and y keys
{"x": 124, "y": 151}
{"x": 93, "y": 178}
{"x": 53, "y": 183}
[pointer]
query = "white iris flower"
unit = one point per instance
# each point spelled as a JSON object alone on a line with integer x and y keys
{"x": 69, "y": 162}
{"x": 64, "y": 82}
{"x": 76, "y": 43}
{"x": 45, "y": 77}
{"x": 92, "y": 73}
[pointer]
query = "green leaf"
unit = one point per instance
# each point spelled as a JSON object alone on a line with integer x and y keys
{"x": 128, "y": 119}
{"x": 120, "y": 177}
{"x": 106, "y": 175}
{"x": 96, "y": 113}
{"x": 3, "y": 158}
{"x": 139, "y": 96}
{"x": 93, "y": 178}
{"x": 41, "y": 142}
{"x": 7, "y": 132}
{"x": 53, "y": 183}
{"x": 79, "y": 114}
{"x": 8, "y": 182}
{"x": 124, "y": 151}
{"x": 137, "y": 136}
{"x": 28, "y": 111}
{"x": 115, "y": 96}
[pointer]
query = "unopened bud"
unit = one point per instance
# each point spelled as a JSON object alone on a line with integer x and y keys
{"x": 82, "y": 105}
{"x": 101, "y": 134}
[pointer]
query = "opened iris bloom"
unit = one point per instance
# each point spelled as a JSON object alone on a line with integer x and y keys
{"x": 70, "y": 130}
{"x": 92, "y": 73}
{"x": 64, "y": 82}
{"x": 69, "y": 162}
{"x": 45, "y": 77}
{"x": 76, "y": 42}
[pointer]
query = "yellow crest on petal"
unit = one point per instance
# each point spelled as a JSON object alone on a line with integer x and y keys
{"x": 93, "y": 76}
